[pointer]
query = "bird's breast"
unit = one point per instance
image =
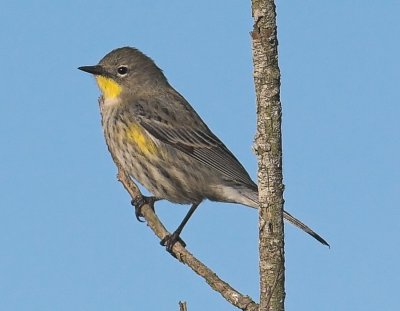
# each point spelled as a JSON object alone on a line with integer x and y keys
{"x": 124, "y": 134}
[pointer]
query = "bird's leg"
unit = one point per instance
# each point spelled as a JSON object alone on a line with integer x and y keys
{"x": 170, "y": 240}
{"x": 140, "y": 201}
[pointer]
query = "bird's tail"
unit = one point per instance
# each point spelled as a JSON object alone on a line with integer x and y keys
{"x": 252, "y": 201}
{"x": 293, "y": 220}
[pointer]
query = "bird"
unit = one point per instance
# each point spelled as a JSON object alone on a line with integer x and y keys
{"x": 157, "y": 137}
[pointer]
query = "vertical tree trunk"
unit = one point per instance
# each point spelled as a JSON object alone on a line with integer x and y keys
{"x": 268, "y": 146}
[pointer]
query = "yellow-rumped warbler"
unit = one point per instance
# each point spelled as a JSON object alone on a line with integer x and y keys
{"x": 160, "y": 140}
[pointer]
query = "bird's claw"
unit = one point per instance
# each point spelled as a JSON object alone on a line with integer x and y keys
{"x": 138, "y": 203}
{"x": 169, "y": 241}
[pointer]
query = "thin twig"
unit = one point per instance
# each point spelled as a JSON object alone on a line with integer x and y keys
{"x": 182, "y": 306}
{"x": 183, "y": 255}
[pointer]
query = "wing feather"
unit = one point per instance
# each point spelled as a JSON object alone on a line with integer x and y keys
{"x": 200, "y": 144}
{"x": 178, "y": 125}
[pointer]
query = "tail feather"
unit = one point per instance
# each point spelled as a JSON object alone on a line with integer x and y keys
{"x": 293, "y": 220}
{"x": 250, "y": 198}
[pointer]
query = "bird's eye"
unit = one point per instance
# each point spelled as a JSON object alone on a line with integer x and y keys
{"x": 122, "y": 70}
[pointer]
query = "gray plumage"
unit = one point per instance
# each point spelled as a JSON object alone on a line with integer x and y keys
{"x": 162, "y": 142}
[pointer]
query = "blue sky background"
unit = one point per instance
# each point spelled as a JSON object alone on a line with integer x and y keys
{"x": 68, "y": 236}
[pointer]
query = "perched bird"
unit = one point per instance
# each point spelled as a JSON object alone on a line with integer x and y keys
{"x": 160, "y": 140}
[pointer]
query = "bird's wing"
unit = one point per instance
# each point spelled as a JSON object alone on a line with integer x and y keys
{"x": 195, "y": 139}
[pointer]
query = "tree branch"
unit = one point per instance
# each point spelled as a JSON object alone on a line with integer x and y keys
{"x": 182, "y": 306}
{"x": 268, "y": 147}
{"x": 183, "y": 255}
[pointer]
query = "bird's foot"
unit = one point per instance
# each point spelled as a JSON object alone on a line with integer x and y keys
{"x": 139, "y": 202}
{"x": 169, "y": 241}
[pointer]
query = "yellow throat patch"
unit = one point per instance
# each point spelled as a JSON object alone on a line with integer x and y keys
{"x": 108, "y": 87}
{"x": 137, "y": 135}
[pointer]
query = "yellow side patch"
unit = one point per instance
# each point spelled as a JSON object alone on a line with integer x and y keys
{"x": 141, "y": 139}
{"x": 108, "y": 87}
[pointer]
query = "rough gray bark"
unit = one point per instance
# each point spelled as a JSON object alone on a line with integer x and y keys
{"x": 268, "y": 147}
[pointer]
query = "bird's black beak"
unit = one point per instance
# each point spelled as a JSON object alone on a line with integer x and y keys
{"x": 96, "y": 70}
